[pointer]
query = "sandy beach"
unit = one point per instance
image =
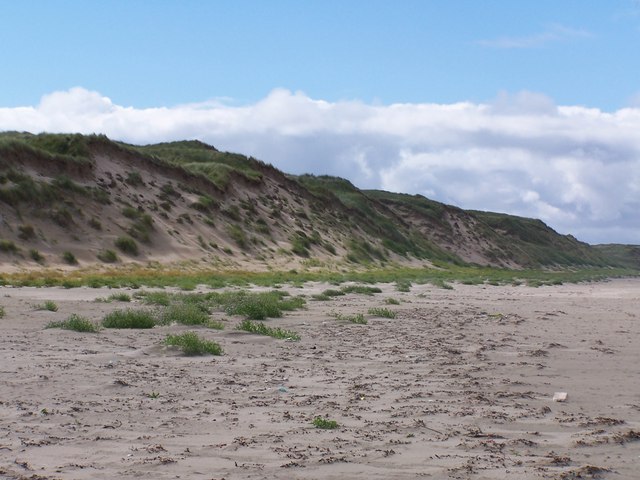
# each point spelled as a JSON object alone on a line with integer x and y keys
{"x": 459, "y": 385}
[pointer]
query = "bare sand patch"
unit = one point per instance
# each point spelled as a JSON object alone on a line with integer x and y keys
{"x": 459, "y": 385}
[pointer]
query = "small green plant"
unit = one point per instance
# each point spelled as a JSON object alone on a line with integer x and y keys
{"x": 403, "y": 286}
{"x": 153, "y": 395}
{"x": 361, "y": 289}
{"x": 26, "y": 232}
{"x": 192, "y": 344}
{"x": 356, "y": 318}
{"x": 185, "y": 314}
{"x": 119, "y": 297}
{"x": 8, "y": 246}
{"x": 127, "y": 245}
{"x": 134, "y": 179}
{"x": 392, "y": 301}
{"x": 324, "y": 423}
{"x": 262, "y": 329}
{"x": 69, "y": 258}
{"x": 107, "y": 256}
{"x": 155, "y": 298}
{"x": 382, "y": 312}
{"x": 95, "y": 223}
{"x": 76, "y": 323}
{"x": 215, "y": 324}
{"x": 49, "y": 305}
{"x": 129, "y": 319}
{"x": 36, "y": 256}
{"x": 2, "y": 312}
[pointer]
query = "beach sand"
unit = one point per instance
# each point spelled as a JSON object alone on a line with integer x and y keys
{"x": 459, "y": 385}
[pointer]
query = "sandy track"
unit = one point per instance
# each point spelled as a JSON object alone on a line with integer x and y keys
{"x": 459, "y": 385}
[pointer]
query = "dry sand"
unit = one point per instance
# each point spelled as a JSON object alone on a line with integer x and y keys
{"x": 459, "y": 385}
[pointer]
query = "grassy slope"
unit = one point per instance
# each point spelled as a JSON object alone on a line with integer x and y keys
{"x": 258, "y": 206}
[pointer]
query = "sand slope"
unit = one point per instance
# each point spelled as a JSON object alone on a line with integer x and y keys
{"x": 459, "y": 385}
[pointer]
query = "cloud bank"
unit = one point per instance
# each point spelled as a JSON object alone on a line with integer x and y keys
{"x": 576, "y": 168}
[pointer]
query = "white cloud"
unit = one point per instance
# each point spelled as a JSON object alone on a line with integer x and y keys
{"x": 576, "y": 168}
{"x": 553, "y": 33}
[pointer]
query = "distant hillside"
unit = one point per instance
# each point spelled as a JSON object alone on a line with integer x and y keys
{"x": 86, "y": 199}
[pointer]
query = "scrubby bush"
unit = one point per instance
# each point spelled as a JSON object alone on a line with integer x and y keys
{"x": 127, "y": 245}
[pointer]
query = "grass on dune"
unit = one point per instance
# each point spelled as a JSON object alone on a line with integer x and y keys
{"x": 76, "y": 323}
{"x": 130, "y": 318}
{"x": 442, "y": 274}
{"x": 260, "y": 328}
{"x": 192, "y": 344}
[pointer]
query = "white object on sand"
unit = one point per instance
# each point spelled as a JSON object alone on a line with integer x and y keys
{"x": 559, "y": 396}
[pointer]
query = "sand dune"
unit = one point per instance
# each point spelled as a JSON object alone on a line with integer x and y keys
{"x": 459, "y": 385}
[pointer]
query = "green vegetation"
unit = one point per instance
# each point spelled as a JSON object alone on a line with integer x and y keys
{"x": 127, "y": 245}
{"x": 8, "y": 246}
{"x": 258, "y": 306}
{"x": 324, "y": 423}
{"x": 392, "y": 301}
{"x": 185, "y": 314}
{"x": 361, "y": 289}
{"x": 134, "y": 179}
{"x": 2, "y": 312}
{"x": 357, "y": 318}
{"x": 36, "y": 256}
{"x": 403, "y": 286}
{"x": 262, "y": 329}
{"x": 49, "y": 305}
{"x": 76, "y": 323}
{"x": 192, "y": 344}
{"x": 382, "y": 312}
{"x": 119, "y": 297}
{"x": 69, "y": 258}
{"x": 107, "y": 256}
{"x": 129, "y": 319}
{"x": 238, "y": 235}
{"x": 26, "y": 232}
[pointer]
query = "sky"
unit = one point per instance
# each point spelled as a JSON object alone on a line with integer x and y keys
{"x": 527, "y": 107}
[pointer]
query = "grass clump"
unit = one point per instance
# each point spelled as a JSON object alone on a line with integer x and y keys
{"x": 392, "y": 301}
{"x": 76, "y": 323}
{"x": 36, "y": 256}
{"x": 155, "y": 298}
{"x": 8, "y": 246}
{"x": 324, "y": 423}
{"x": 185, "y": 314}
{"x": 129, "y": 319}
{"x": 262, "y": 329}
{"x": 107, "y": 256}
{"x": 48, "y": 305}
{"x": 403, "y": 286}
{"x": 2, "y": 312}
{"x": 361, "y": 289}
{"x": 119, "y": 297}
{"x": 192, "y": 344}
{"x": 127, "y": 245}
{"x": 382, "y": 312}
{"x": 258, "y": 306}
{"x": 69, "y": 258}
{"x": 357, "y": 318}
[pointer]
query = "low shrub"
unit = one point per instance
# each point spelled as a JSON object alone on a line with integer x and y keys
{"x": 262, "y": 329}
{"x": 127, "y": 245}
{"x": 107, "y": 256}
{"x": 192, "y": 344}
{"x": 129, "y": 319}
{"x": 76, "y": 323}
{"x": 69, "y": 258}
{"x": 382, "y": 312}
{"x": 325, "y": 424}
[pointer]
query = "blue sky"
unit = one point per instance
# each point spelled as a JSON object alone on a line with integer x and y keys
{"x": 143, "y": 53}
{"x": 530, "y": 107}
